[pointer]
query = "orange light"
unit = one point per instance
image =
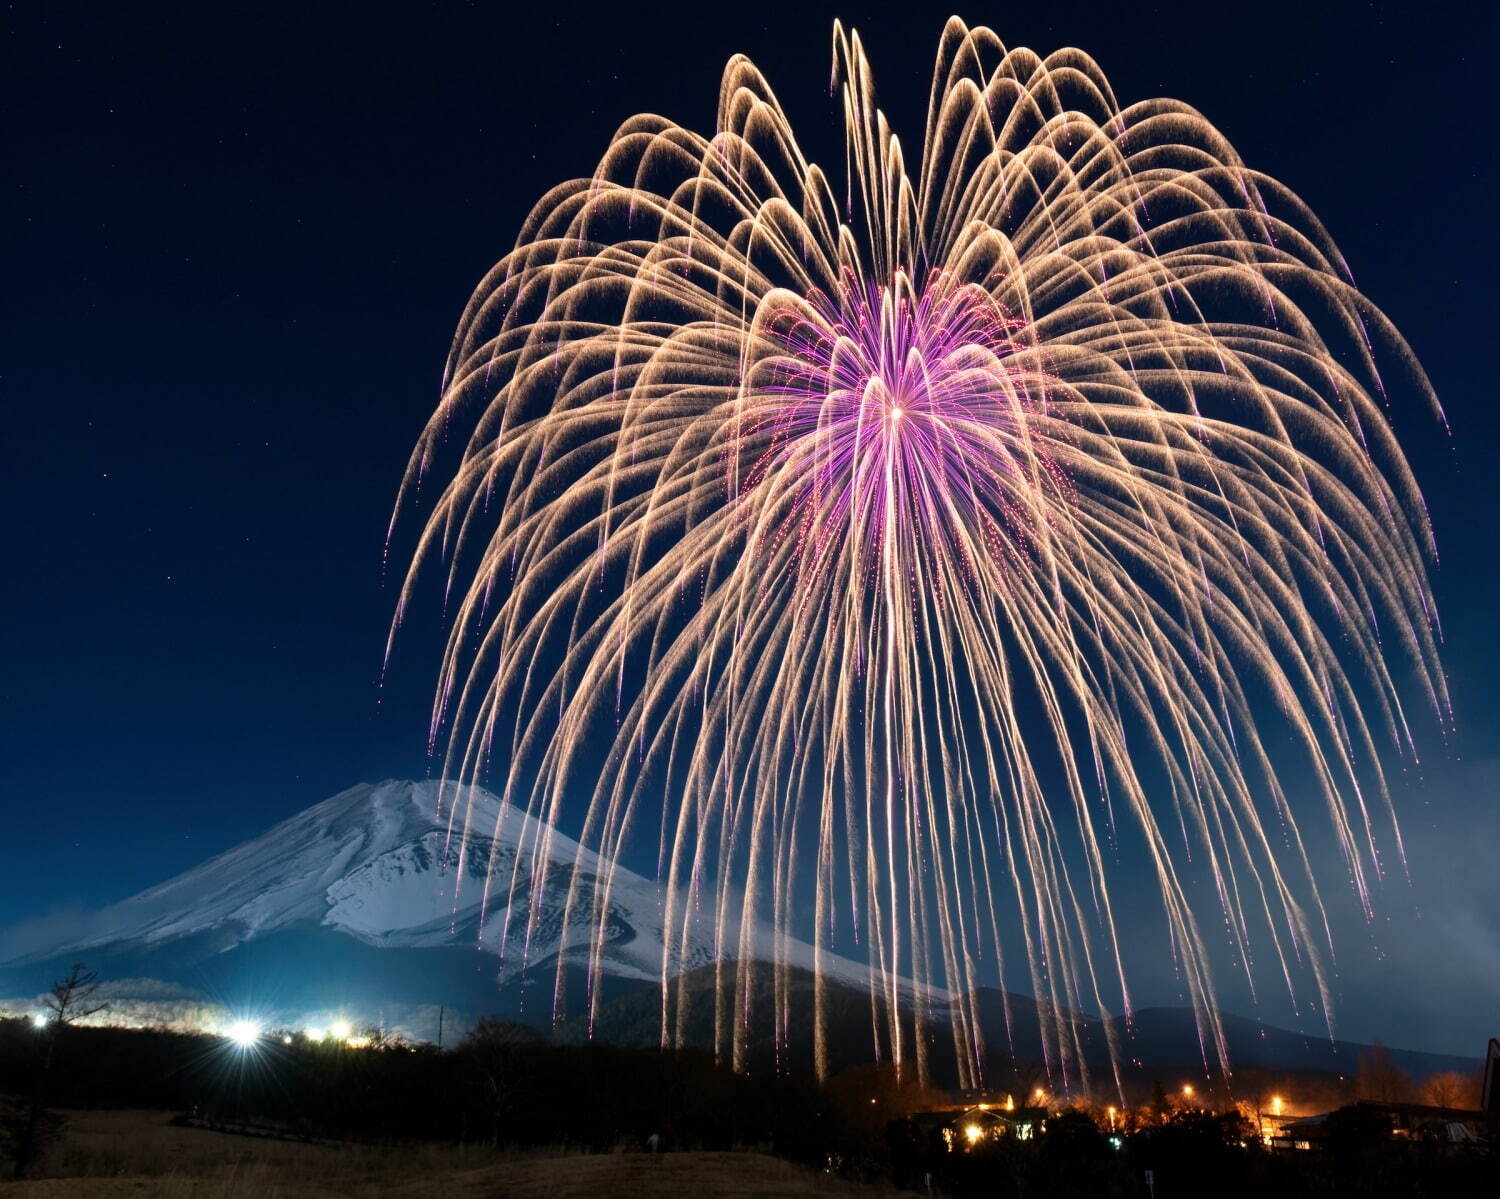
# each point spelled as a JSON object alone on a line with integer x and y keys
{"x": 1276, "y": 1105}
{"x": 1187, "y": 1090}
{"x": 973, "y": 1132}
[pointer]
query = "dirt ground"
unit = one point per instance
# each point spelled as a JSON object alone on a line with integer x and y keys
{"x": 141, "y": 1155}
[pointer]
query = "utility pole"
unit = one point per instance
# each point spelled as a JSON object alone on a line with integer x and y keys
{"x": 441, "y": 1009}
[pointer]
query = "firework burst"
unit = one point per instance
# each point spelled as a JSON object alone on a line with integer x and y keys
{"x": 895, "y": 547}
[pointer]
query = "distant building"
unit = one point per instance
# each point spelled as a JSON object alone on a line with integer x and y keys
{"x": 964, "y": 1128}
{"x": 1408, "y": 1122}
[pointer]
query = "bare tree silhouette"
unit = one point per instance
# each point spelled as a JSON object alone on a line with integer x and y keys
{"x": 30, "y": 1128}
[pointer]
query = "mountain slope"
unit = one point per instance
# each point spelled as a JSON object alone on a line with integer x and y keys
{"x": 377, "y": 884}
{"x": 367, "y": 906}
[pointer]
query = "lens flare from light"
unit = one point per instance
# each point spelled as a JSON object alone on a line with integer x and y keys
{"x": 245, "y": 1033}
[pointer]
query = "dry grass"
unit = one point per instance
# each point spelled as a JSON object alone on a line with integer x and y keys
{"x": 141, "y": 1155}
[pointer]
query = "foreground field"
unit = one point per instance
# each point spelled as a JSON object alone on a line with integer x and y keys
{"x": 141, "y": 1155}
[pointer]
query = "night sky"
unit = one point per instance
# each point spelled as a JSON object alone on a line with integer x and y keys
{"x": 236, "y": 243}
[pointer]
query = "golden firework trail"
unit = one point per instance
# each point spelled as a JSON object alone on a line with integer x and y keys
{"x": 894, "y": 532}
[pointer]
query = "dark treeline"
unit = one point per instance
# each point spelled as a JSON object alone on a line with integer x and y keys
{"x": 508, "y": 1087}
{"x": 503, "y": 1086}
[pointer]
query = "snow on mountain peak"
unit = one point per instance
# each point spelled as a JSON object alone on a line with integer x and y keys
{"x": 301, "y": 869}
{"x": 390, "y": 865}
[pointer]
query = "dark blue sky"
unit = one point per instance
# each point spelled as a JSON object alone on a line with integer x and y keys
{"x": 237, "y": 240}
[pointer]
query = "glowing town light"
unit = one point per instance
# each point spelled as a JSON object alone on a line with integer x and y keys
{"x": 1038, "y": 1095}
{"x": 1111, "y": 1110}
{"x": 1187, "y": 1091}
{"x": 973, "y": 1132}
{"x": 1276, "y": 1105}
{"x": 244, "y": 1033}
{"x": 1010, "y": 1103}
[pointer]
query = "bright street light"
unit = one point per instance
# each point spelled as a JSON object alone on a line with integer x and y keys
{"x": 245, "y": 1033}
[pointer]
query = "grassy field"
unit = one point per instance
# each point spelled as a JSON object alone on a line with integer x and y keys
{"x": 115, "y": 1155}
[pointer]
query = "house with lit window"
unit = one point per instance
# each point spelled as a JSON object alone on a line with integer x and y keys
{"x": 1404, "y": 1122}
{"x": 967, "y": 1127}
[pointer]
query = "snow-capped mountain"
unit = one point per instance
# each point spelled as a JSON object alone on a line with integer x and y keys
{"x": 370, "y": 907}
{"x": 375, "y": 898}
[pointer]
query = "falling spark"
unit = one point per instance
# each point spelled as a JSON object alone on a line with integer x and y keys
{"x": 893, "y": 537}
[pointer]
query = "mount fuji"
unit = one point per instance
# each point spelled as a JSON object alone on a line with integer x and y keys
{"x": 364, "y": 908}
{"x": 372, "y": 907}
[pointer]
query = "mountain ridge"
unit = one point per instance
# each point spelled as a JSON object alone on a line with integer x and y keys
{"x": 370, "y": 903}
{"x": 387, "y": 866}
